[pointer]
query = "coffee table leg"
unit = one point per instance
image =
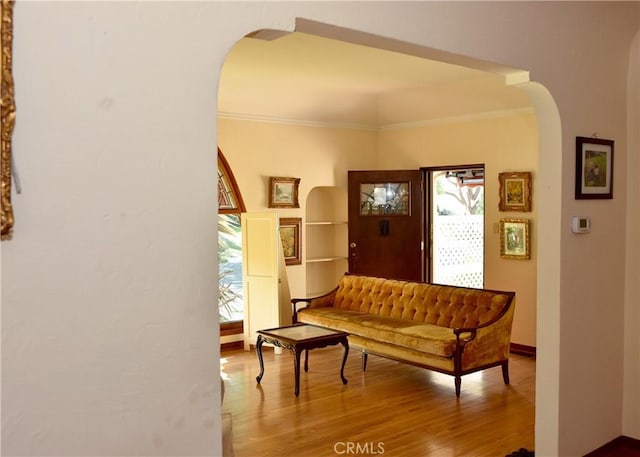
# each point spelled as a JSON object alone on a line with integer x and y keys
{"x": 259, "y": 352}
{"x": 345, "y": 344}
{"x": 296, "y": 363}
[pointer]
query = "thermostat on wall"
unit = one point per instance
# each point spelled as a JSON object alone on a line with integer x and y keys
{"x": 580, "y": 224}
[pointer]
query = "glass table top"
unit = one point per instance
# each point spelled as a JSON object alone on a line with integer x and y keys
{"x": 301, "y": 332}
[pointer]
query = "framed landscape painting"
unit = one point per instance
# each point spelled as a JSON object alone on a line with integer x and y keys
{"x": 290, "y": 237}
{"x": 594, "y": 168}
{"x": 283, "y": 192}
{"x": 515, "y": 242}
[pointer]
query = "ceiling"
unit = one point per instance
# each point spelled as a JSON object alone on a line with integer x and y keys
{"x": 307, "y": 78}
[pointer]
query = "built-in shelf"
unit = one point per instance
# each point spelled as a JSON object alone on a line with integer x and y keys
{"x": 325, "y": 259}
{"x": 327, "y": 223}
{"x": 326, "y": 239}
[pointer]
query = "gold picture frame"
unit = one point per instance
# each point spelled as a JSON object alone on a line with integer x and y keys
{"x": 283, "y": 192}
{"x": 7, "y": 116}
{"x": 515, "y": 191}
{"x": 290, "y": 229}
{"x": 515, "y": 239}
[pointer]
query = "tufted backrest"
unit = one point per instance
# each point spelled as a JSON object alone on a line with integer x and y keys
{"x": 445, "y": 306}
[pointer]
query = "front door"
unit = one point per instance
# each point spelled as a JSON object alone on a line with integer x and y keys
{"x": 385, "y": 224}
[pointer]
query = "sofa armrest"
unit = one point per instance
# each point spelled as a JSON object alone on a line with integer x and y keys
{"x": 320, "y": 301}
{"x": 489, "y": 343}
{"x": 294, "y": 303}
{"x": 464, "y": 336}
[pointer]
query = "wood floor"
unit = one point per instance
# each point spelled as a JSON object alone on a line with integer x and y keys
{"x": 392, "y": 409}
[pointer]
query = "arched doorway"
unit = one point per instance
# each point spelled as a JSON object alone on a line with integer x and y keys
{"x": 545, "y": 229}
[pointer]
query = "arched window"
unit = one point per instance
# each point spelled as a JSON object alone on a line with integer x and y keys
{"x": 230, "y": 205}
{"x": 229, "y": 198}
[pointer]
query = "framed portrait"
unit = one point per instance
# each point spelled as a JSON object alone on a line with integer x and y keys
{"x": 594, "y": 168}
{"x": 515, "y": 191}
{"x": 290, "y": 237}
{"x": 515, "y": 239}
{"x": 283, "y": 192}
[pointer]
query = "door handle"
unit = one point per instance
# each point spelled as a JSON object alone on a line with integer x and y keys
{"x": 352, "y": 245}
{"x": 384, "y": 227}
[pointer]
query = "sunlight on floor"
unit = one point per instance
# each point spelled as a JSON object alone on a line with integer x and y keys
{"x": 223, "y": 362}
{"x": 470, "y": 381}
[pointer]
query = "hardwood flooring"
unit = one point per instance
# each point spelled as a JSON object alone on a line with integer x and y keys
{"x": 392, "y": 409}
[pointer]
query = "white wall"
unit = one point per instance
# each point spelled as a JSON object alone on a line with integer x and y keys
{"x": 318, "y": 155}
{"x": 109, "y": 335}
{"x": 109, "y": 317}
{"x": 631, "y": 399}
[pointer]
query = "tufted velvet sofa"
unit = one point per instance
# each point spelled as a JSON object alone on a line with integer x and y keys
{"x": 449, "y": 329}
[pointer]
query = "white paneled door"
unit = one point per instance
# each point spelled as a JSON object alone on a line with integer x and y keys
{"x": 262, "y": 271}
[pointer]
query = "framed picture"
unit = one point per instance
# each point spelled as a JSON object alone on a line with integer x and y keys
{"x": 515, "y": 191}
{"x": 283, "y": 192}
{"x": 290, "y": 237}
{"x": 515, "y": 241}
{"x": 594, "y": 168}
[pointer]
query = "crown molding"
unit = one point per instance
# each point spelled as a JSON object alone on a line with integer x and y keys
{"x": 459, "y": 119}
{"x": 290, "y": 121}
{"x": 376, "y": 128}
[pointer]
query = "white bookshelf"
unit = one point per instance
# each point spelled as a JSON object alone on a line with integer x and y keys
{"x": 326, "y": 239}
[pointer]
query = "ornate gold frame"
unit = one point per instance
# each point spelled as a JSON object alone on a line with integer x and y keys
{"x": 283, "y": 192}
{"x": 521, "y": 248}
{"x": 290, "y": 235}
{"x": 7, "y": 114}
{"x": 520, "y": 181}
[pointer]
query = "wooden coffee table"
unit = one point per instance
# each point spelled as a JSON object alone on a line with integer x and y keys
{"x": 298, "y": 338}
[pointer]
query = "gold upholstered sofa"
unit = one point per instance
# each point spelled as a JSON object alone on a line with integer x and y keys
{"x": 453, "y": 330}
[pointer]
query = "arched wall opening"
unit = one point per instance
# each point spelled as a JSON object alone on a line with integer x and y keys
{"x": 547, "y": 231}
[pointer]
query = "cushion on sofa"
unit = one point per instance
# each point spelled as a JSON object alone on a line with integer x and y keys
{"x": 418, "y": 336}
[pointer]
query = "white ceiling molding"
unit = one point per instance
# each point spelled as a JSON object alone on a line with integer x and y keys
{"x": 300, "y": 122}
{"x": 375, "y": 128}
{"x": 459, "y": 119}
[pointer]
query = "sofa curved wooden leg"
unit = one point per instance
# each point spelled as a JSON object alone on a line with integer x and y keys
{"x": 458, "y": 382}
{"x": 505, "y": 371}
{"x": 364, "y": 360}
